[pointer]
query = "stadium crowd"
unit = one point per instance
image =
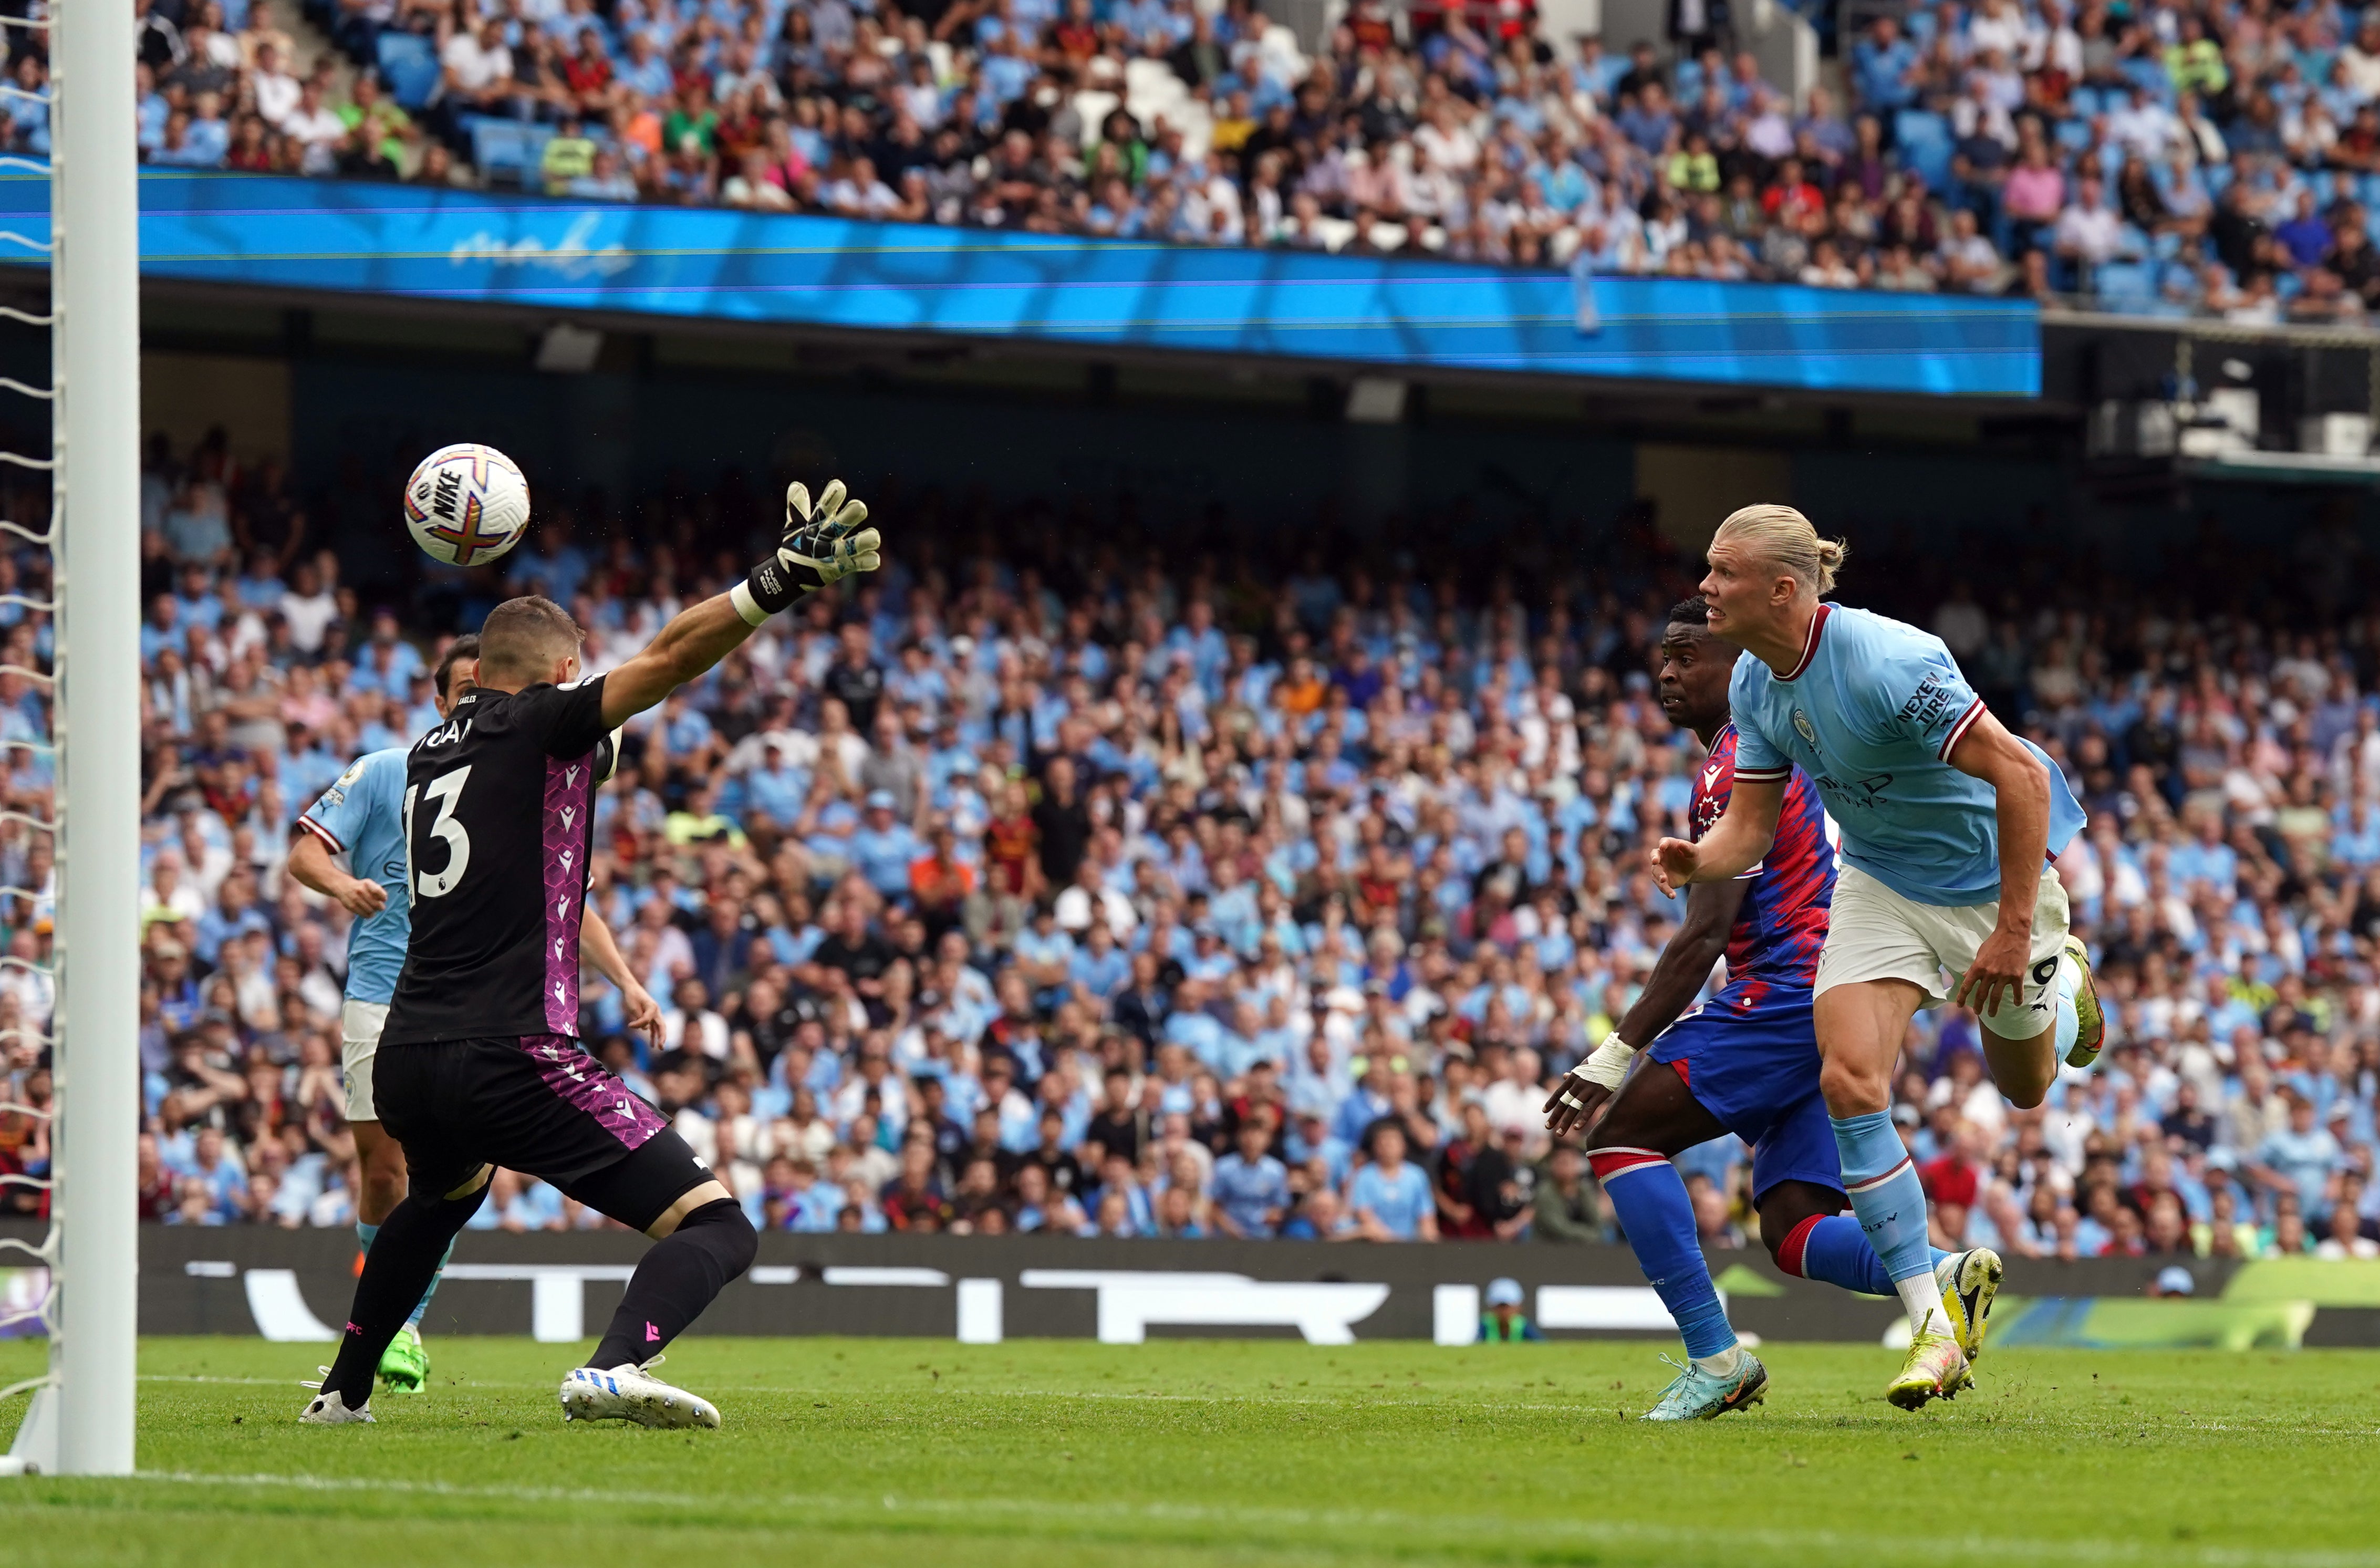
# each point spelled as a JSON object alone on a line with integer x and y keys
{"x": 2201, "y": 158}
{"x": 1117, "y": 891}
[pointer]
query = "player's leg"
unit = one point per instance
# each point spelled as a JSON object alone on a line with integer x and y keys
{"x": 412, "y": 1244}
{"x": 1653, "y": 1117}
{"x": 379, "y": 1157}
{"x": 2056, "y": 1020}
{"x": 546, "y": 1107}
{"x": 1881, "y": 963}
{"x": 1861, "y": 1025}
{"x": 701, "y": 1240}
{"x": 1805, "y": 1218}
{"x": 380, "y": 1161}
{"x": 1860, "y": 1029}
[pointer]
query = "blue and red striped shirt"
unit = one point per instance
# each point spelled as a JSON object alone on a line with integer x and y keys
{"x": 1783, "y": 922}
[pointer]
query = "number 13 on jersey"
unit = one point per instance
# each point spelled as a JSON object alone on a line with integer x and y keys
{"x": 445, "y": 789}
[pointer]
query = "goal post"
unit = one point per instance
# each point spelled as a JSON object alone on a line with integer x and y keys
{"x": 82, "y": 1422}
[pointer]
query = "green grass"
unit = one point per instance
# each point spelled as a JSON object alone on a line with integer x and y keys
{"x": 1053, "y": 1454}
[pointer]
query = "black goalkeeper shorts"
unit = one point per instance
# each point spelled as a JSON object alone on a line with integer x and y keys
{"x": 535, "y": 1103}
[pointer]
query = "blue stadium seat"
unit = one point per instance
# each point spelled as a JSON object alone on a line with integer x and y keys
{"x": 2088, "y": 100}
{"x": 2325, "y": 185}
{"x": 2150, "y": 73}
{"x": 409, "y": 64}
{"x": 1925, "y": 142}
{"x": 2123, "y": 283}
{"x": 1690, "y": 81}
{"x": 508, "y": 152}
{"x": 2074, "y": 135}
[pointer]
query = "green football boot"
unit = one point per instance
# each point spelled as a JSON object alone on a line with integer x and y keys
{"x": 404, "y": 1364}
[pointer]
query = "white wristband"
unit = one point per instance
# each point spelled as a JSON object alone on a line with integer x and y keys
{"x": 1608, "y": 1065}
{"x": 746, "y": 605}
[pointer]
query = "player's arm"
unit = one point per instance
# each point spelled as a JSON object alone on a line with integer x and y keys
{"x": 821, "y": 545}
{"x": 2020, "y": 792}
{"x": 1735, "y": 843}
{"x": 311, "y": 863}
{"x": 599, "y": 947}
{"x": 1678, "y": 977}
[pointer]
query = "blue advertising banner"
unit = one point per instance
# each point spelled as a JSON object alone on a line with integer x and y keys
{"x": 1395, "y": 312}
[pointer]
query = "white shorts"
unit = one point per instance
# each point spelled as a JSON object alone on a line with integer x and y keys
{"x": 360, "y": 1026}
{"x": 1876, "y": 934}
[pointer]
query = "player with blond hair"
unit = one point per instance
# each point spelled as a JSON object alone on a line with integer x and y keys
{"x": 1951, "y": 829}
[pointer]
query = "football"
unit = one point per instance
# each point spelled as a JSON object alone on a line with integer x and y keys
{"x": 467, "y": 504}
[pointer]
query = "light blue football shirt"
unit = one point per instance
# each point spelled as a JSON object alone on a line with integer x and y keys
{"x": 362, "y": 816}
{"x": 1871, "y": 713}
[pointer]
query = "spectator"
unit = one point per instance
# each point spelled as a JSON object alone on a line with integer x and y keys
{"x": 2006, "y": 114}
{"x": 1503, "y": 1322}
{"x": 1390, "y": 1199}
{"x": 1332, "y": 970}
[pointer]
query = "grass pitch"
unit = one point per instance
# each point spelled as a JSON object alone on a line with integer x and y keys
{"x": 1182, "y": 1454}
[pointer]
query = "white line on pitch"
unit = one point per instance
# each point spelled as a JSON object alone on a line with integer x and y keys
{"x": 2161, "y": 1552}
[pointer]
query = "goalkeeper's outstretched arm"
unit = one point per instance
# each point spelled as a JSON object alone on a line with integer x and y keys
{"x": 821, "y": 545}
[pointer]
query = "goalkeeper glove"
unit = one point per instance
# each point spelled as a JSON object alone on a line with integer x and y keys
{"x": 822, "y": 544}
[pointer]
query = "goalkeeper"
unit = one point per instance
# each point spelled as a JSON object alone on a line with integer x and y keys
{"x": 479, "y": 1064}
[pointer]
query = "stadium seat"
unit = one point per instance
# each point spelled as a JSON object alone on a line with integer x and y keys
{"x": 2150, "y": 73}
{"x": 2119, "y": 284}
{"x": 409, "y": 62}
{"x": 1151, "y": 88}
{"x": 508, "y": 152}
{"x": 1094, "y": 106}
{"x": 1925, "y": 142}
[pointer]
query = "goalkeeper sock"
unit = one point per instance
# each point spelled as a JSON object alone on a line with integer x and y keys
{"x": 405, "y": 1254}
{"x": 1891, "y": 1203}
{"x": 1833, "y": 1249}
{"x": 1649, "y": 1197}
{"x": 677, "y": 1279}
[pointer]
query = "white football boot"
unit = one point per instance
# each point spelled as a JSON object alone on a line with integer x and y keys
{"x": 632, "y": 1393}
{"x": 331, "y": 1409}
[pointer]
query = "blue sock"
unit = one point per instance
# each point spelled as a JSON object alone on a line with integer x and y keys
{"x": 1649, "y": 1197}
{"x": 1835, "y": 1251}
{"x": 423, "y": 1304}
{"x": 367, "y": 1233}
{"x": 1885, "y": 1192}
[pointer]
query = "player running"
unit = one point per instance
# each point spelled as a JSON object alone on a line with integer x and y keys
{"x": 1746, "y": 1062}
{"x": 1949, "y": 825}
{"x": 359, "y": 817}
{"x": 479, "y": 1064}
